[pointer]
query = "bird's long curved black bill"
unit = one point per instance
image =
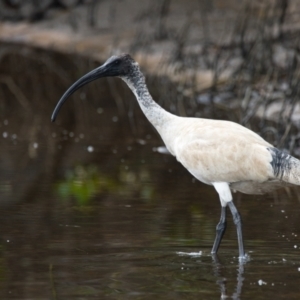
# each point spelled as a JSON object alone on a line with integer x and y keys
{"x": 91, "y": 76}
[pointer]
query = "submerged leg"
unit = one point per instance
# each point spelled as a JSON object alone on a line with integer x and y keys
{"x": 238, "y": 223}
{"x": 220, "y": 230}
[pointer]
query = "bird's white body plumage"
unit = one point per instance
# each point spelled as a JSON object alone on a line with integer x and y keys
{"x": 218, "y": 151}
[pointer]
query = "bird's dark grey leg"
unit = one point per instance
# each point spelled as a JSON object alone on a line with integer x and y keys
{"x": 238, "y": 223}
{"x": 220, "y": 230}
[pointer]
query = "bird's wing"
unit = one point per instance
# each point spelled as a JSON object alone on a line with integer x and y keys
{"x": 229, "y": 159}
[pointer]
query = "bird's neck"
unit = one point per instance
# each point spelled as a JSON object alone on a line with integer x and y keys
{"x": 154, "y": 113}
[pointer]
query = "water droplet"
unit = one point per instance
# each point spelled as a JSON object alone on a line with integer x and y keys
{"x": 99, "y": 110}
{"x": 35, "y": 145}
{"x": 5, "y": 134}
{"x": 261, "y": 282}
{"x": 162, "y": 150}
{"x": 115, "y": 119}
{"x": 71, "y": 134}
{"x": 14, "y": 136}
{"x": 81, "y": 135}
{"x": 141, "y": 142}
{"x": 90, "y": 148}
{"x": 54, "y": 134}
{"x": 5, "y": 122}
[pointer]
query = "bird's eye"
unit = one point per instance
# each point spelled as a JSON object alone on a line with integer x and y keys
{"x": 117, "y": 62}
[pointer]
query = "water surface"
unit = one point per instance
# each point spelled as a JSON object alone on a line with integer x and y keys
{"x": 89, "y": 209}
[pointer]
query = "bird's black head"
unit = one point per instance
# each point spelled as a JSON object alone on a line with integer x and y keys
{"x": 121, "y": 65}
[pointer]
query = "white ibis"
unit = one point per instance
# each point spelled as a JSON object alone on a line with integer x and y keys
{"x": 223, "y": 154}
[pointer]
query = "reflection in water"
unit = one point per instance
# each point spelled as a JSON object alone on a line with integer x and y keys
{"x": 221, "y": 281}
{"x": 108, "y": 222}
{"x": 83, "y": 183}
{"x": 240, "y": 279}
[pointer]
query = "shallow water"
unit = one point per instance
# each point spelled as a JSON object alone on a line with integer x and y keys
{"x": 136, "y": 225}
{"x": 90, "y": 209}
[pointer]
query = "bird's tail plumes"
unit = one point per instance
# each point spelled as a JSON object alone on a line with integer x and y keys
{"x": 285, "y": 166}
